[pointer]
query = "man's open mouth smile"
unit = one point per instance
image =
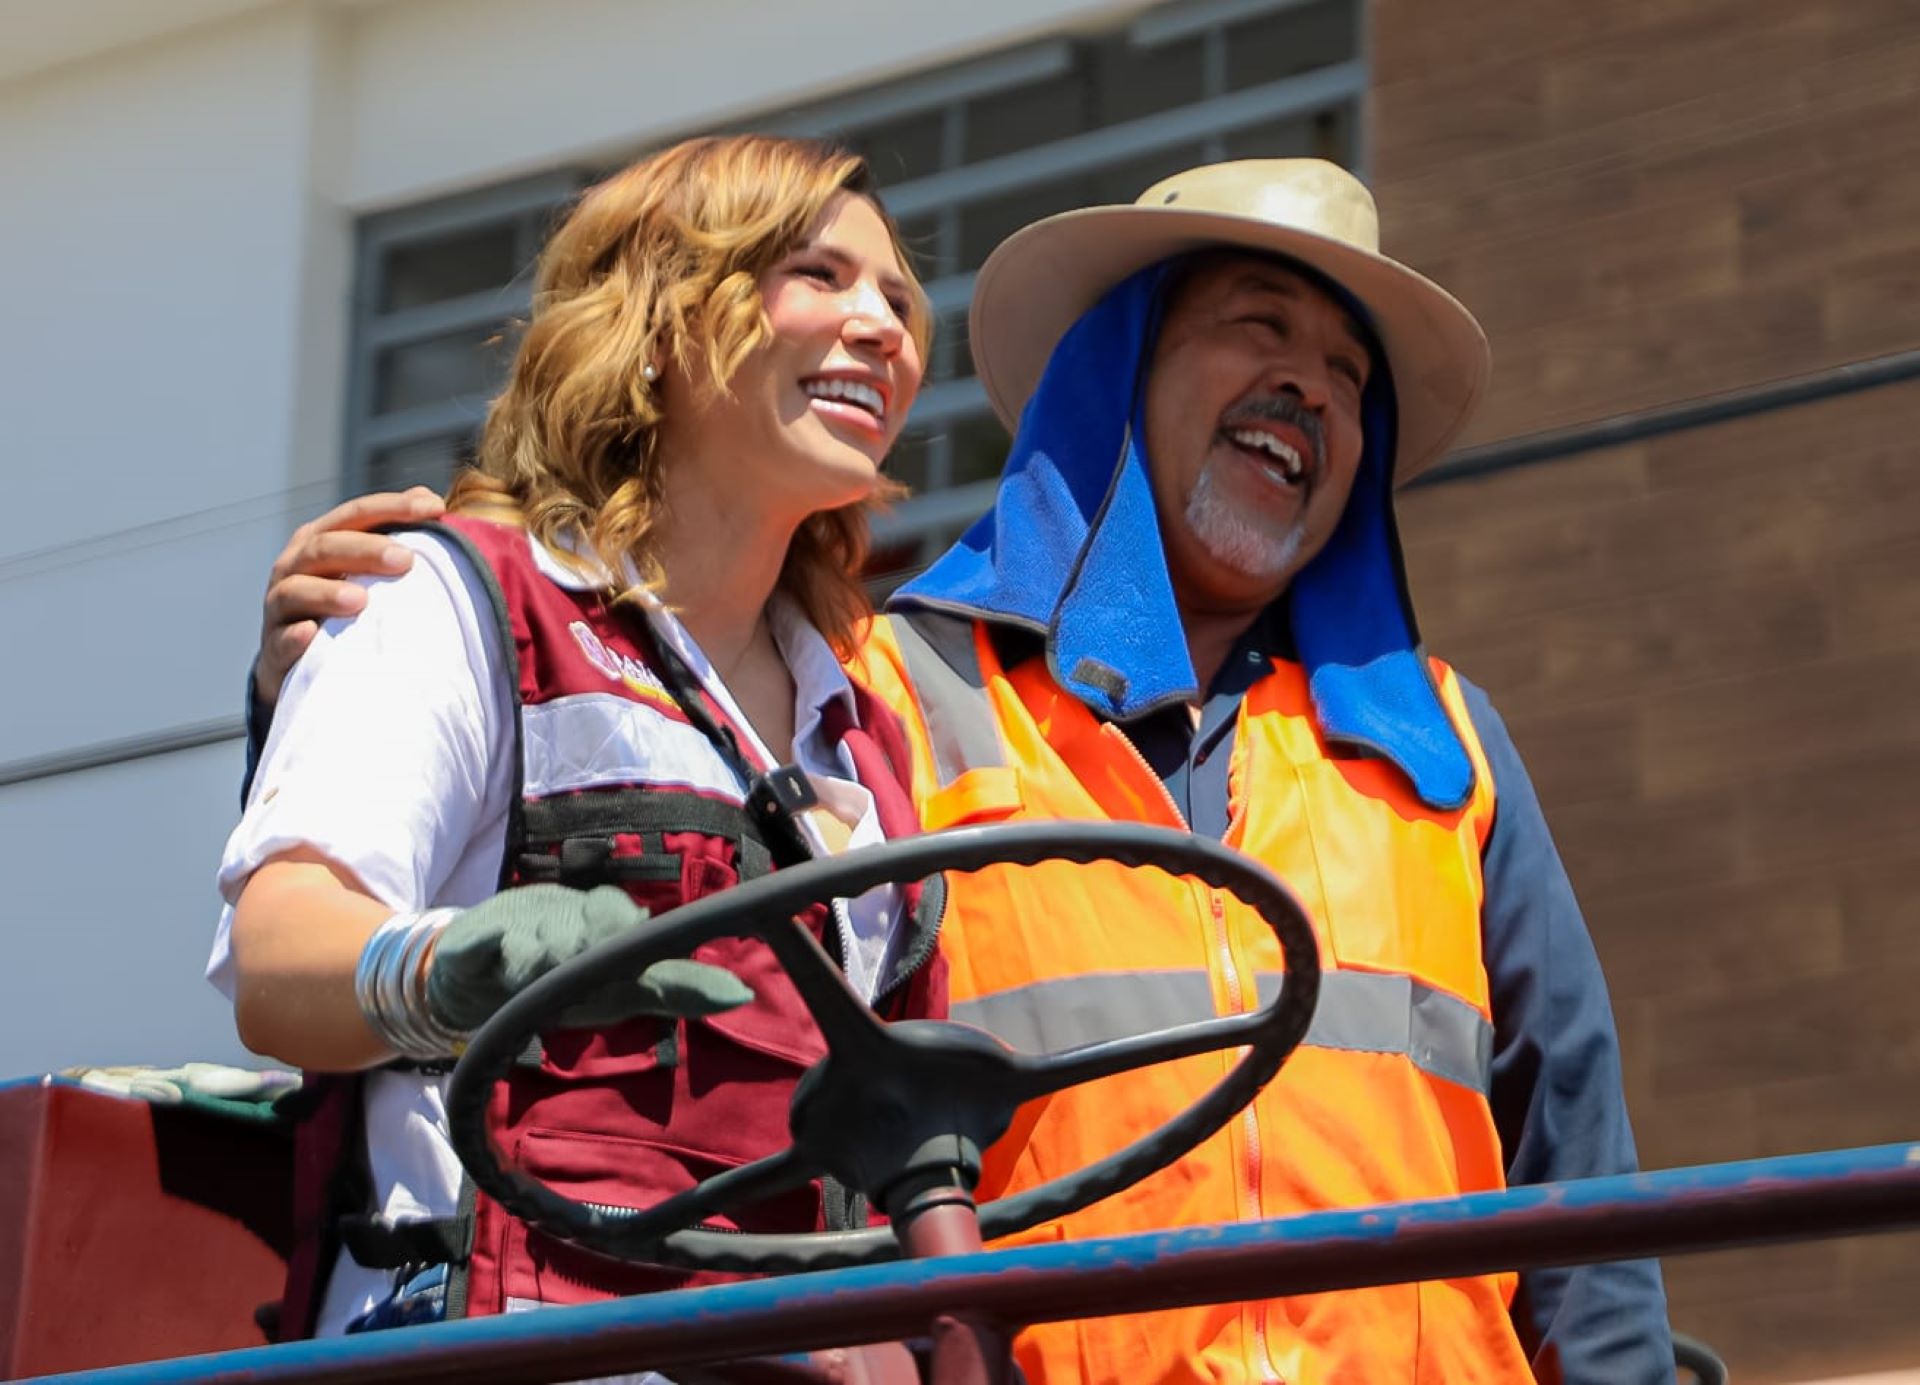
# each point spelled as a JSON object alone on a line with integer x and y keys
{"x": 1282, "y": 452}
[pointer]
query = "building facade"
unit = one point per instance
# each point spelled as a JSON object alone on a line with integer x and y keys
{"x": 1707, "y": 640}
{"x": 261, "y": 254}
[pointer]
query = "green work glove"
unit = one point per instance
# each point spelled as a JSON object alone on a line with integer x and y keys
{"x": 497, "y": 949}
{"x": 240, "y": 1093}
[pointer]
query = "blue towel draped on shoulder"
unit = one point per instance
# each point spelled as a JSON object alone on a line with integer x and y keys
{"x": 1071, "y": 550}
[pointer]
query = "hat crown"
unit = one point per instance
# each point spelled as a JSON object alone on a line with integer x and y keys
{"x": 1301, "y": 194}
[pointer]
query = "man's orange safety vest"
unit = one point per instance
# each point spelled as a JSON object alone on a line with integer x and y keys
{"x": 1386, "y": 1100}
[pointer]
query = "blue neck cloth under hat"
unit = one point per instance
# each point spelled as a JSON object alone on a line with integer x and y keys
{"x": 1071, "y": 550}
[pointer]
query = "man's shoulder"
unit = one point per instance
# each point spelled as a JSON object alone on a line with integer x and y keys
{"x": 1479, "y": 705}
{"x": 1488, "y": 726}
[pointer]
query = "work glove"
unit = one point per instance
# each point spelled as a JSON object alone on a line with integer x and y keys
{"x": 497, "y": 949}
{"x": 242, "y": 1093}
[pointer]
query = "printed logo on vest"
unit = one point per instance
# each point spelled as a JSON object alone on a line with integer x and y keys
{"x": 638, "y": 679}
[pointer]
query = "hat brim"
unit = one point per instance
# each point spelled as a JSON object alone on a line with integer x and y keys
{"x": 1042, "y": 278}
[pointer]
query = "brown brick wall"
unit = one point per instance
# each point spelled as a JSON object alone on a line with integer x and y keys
{"x": 1707, "y": 645}
{"x": 1708, "y": 649}
{"x": 1648, "y": 200}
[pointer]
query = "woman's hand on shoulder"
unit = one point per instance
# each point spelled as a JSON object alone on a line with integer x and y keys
{"x": 311, "y": 580}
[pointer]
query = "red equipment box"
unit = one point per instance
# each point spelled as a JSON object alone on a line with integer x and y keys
{"x": 131, "y": 1232}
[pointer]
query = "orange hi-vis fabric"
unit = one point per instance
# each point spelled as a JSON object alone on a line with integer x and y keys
{"x": 1386, "y": 1100}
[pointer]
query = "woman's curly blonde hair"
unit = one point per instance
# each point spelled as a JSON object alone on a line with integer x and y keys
{"x": 661, "y": 263}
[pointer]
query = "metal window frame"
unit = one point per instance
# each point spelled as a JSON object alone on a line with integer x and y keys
{"x": 1171, "y": 23}
{"x": 916, "y": 95}
{"x": 528, "y": 204}
{"x": 954, "y": 397}
{"x": 1322, "y": 89}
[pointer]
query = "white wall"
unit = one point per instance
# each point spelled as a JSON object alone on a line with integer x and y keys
{"x": 176, "y": 219}
{"x": 163, "y": 360}
{"x": 173, "y": 259}
{"x": 450, "y": 94}
{"x": 108, "y": 912}
{"x": 153, "y": 232}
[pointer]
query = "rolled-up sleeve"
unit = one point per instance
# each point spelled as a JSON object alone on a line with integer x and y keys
{"x": 1557, "y": 1096}
{"x": 391, "y": 751}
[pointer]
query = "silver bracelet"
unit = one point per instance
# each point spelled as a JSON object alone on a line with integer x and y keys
{"x": 390, "y": 983}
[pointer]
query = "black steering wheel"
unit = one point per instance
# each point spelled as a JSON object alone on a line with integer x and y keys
{"x": 892, "y": 1106}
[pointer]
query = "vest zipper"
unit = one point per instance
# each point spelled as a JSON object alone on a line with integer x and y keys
{"x": 617, "y": 1210}
{"x": 1254, "y": 1206}
{"x": 924, "y": 948}
{"x": 1108, "y": 729}
{"x": 842, "y": 930}
{"x": 1263, "y": 1354}
{"x": 1251, "y": 1204}
{"x": 614, "y": 1209}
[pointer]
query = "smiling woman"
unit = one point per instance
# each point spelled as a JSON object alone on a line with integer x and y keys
{"x": 744, "y": 273}
{"x": 606, "y": 685}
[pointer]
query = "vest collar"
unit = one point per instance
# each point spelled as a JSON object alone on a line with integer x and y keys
{"x": 819, "y": 680}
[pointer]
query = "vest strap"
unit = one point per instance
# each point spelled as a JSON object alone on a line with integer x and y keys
{"x": 583, "y": 826}
{"x": 634, "y": 810}
{"x": 948, "y": 683}
{"x": 379, "y": 1244}
{"x": 584, "y": 862}
{"x": 775, "y": 796}
{"x": 510, "y": 672}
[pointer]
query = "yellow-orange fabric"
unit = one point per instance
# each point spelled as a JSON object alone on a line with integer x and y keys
{"x": 1361, "y": 1114}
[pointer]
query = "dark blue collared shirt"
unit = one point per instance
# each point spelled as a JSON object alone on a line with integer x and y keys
{"x": 1192, "y": 759}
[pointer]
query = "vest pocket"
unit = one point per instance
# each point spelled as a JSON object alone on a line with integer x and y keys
{"x": 623, "y": 1171}
{"x": 979, "y": 795}
{"x": 774, "y": 1025}
{"x": 1400, "y": 884}
{"x": 770, "y": 1040}
{"x": 777, "y": 1025}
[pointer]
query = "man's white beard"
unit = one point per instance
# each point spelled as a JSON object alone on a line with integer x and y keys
{"x": 1240, "y": 540}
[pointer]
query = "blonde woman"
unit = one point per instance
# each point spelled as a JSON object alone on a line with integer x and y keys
{"x": 552, "y": 721}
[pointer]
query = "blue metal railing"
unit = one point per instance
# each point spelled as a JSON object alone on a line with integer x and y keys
{"x": 1799, "y": 1197}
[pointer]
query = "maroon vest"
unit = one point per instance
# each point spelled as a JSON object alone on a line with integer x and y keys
{"x": 629, "y": 1115}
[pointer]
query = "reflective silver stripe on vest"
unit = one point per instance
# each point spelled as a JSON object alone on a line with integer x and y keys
{"x": 944, "y": 669}
{"x": 1360, "y": 1012}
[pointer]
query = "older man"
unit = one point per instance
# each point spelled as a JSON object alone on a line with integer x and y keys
{"x": 1187, "y": 606}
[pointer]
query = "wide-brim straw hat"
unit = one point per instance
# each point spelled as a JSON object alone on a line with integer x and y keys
{"x": 1042, "y": 278}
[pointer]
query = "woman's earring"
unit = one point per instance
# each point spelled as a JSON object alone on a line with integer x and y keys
{"x": 649, "y": 372}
